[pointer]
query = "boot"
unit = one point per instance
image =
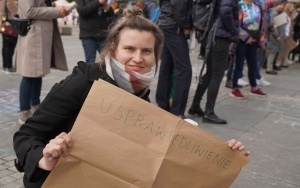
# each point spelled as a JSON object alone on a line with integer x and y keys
{"x": 196, "y": 110}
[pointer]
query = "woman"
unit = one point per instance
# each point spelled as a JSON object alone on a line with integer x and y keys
{"x": 282, "y": 58}
{"x": 226, "y": 32}
{"x": 39, "y": 50}
{"x": 250, "y": 37}
{"x": 8, "y": 8}
{"x": 133, "y": 49}
{"x": 275, "y": 38}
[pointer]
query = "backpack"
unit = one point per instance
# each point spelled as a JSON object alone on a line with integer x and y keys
{"x": 204, "y": 16}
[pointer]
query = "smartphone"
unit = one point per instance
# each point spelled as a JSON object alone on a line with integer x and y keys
{"x": 72, "y": 7}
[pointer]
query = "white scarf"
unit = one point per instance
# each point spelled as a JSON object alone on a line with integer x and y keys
{"x": 131, "y": 81}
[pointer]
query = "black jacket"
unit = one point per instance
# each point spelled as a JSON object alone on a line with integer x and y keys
{"x": 57, "y": 113}
{"x": 228, "y": 26}
{"x": 175, "y": 13}
{"x": 93, "y": 21}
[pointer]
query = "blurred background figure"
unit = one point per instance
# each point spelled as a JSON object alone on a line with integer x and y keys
{"x": 95, "y": 16}
{"x": 8, "y": 8}
{"x": 38, "y": 51}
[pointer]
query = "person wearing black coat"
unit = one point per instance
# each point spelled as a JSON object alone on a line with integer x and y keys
{"x": 227, "y": 31}
{"x": 134, "y": 45}
{"x": 95, "y": 17}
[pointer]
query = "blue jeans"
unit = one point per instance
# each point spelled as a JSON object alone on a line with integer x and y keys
{"x": 248, "y": 52}
{"x": 215, "y": 68}
{"x": 30, "y": 92}
{"x": 90, "y": 47}
{"x": 175, "y": 56}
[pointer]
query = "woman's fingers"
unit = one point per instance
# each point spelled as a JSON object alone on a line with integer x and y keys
{"x": 58, "y": 146}
{"x": 237, "y": 145}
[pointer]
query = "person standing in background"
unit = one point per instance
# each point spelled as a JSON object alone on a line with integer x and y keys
{"x": 175, "y": 22}
{"x": 8, "y": 8}
{"x": 95, "y": 17}
{"x": 226, "y": 37}
{"x": 38, "y": 51}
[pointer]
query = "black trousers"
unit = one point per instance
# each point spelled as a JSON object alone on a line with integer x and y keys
{"x": 175, "y": 57}
{"x": 215, "y": 69}
{"x": 8, "y": 49}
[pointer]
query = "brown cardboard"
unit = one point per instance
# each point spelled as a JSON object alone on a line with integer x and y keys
{"x": 122, "y": 141}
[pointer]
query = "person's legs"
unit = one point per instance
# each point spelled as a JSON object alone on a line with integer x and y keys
{"x": 36, "y": 91}
{"x": 25, "y": 93}
{"x": 183, "y": 73}
{"x": 219, "y": 56}
{"x": 240, "y": 58}
{"x": 90, "y": 47}
{"x": 175, "y": 54}
{"x": 9, "y": 53}
{"x": 164, "y": 78}
{"x": 8, "y": 49}
{"x": 251, "y": 57}
{"x": 271, "y": 58}
{"x": 201, "y": 88}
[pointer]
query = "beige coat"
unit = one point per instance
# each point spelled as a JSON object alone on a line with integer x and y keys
{"x": 34, "y": 49}
{"x": 11, "y": 8}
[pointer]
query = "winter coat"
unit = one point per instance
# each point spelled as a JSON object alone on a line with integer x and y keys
{"x": 57, "y": 113}
{"x": 34, "y": 49}
{"x": 175, "y": 13}
{"x": 228, "y": 26}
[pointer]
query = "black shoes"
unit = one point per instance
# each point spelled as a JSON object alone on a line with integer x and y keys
{"x": 213, "y": 118}
{"x": 195, "y": 110}
{"x": 273, "y": 72}
{"x": 276, "y": 68}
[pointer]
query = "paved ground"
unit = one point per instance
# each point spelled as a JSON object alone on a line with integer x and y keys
{"x": 269, "y": 127}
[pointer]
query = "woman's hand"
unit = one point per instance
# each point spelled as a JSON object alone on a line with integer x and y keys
{"x": 59, "y": 146}
{"x": 236, "y": 145}
{"x": 62, "y": 13}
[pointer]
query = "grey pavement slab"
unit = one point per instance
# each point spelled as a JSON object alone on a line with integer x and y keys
{"x": 269, "y": 126}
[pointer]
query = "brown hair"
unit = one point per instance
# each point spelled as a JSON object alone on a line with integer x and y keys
{"x": 132, "y": 19}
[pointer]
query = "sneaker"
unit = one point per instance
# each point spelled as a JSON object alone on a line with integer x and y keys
{"x": 24, "y": 115}
{"x": 3, "y": 69}
{"x": 236, "y": 93}
{"x": 262, "y": 82}
{"x": 242, "y": 82}
{"x": 10, "y": 71}
{"x": 191, "y": 122}
{"x": 257, "y": 92}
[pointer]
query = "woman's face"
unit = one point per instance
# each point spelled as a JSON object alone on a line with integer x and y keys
{"x": 136, "y": 50}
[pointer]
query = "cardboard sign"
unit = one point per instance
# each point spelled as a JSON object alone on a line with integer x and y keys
{"x": 122, "y": 141}
{"x": 280, "y": 19}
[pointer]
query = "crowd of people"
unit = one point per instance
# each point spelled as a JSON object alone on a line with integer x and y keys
{"x": 129, "y": 59}
{"x": 236, "y": 43}
{"x": 261, "y": 34}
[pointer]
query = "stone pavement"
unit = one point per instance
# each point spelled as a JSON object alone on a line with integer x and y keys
{"x": 269, "y": 127}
